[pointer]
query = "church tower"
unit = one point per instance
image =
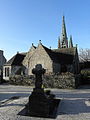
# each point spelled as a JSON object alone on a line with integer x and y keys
{"x": 70, "y": 42}
{"x": 64, "y": 40}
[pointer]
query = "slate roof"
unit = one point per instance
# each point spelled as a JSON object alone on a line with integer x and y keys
{"x": 16, "y": 60}
{"x": 62, "y": 56}
{"x": 59, "y": 57}
{"x": 69, "y": 51}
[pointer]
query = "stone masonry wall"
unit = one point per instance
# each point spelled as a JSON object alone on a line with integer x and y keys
{"x": 40, "y": 57}
{"x": 64, "y": 80}
{"x": 27, "y": 59}
{"x": 56, "y": 67}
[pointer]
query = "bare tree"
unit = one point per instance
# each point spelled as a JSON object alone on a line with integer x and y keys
{"x": 84, "y": 55}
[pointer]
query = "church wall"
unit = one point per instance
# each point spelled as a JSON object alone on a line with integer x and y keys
{"x": 26, "y": 59}
{"x": 70, "y": 68}
{"x": 56, "y": 67}
{"x": 40, "y": 57}
{"x": 14, "y": 69}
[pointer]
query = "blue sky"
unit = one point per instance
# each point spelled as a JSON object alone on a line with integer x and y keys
{"x": 23, "y": 22}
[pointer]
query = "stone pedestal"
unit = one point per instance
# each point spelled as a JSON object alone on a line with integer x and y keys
{"x": 38, "y": 103}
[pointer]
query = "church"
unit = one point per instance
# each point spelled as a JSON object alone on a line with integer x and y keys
{"x": 62, "y": 59}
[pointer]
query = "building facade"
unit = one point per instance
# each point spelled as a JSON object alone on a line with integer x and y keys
{"x": 63, "y": 59}
{"x": 2, "y": 62}
{"x": 13, "y": 66}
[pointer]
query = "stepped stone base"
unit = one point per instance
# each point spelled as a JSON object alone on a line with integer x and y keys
{"x": 38, "y": 103}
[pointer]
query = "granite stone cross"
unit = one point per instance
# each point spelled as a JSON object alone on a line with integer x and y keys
{"x": 40, "y": 102}
{"x": 38, "y": 71}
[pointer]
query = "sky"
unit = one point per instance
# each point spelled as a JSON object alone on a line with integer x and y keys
{"x": 23, "y": 22}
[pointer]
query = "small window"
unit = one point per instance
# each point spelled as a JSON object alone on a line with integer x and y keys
{"x": 5, "y": 72}
{"x": 8, "y": 72}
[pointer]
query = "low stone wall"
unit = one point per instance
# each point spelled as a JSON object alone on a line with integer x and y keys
{"x": 64, "y": 80}
{"x": 22, "y": 80}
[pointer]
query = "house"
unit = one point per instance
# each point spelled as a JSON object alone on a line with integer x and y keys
{"x": 2, "y": 62}
{"x": 13, "y": 66}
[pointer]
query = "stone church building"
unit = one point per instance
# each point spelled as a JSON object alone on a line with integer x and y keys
{"x": 63, "y": 59}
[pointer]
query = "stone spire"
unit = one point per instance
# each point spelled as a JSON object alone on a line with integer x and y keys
{"x": 64, "y": 41}
{"x": 70, "y": 42}
{"x": 59, "y": 46}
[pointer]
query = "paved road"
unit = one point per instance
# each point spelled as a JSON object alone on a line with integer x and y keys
{"x": 74, "y": 105}
{"x": 7, "y": 91}
{"x": 11, "y": 90}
